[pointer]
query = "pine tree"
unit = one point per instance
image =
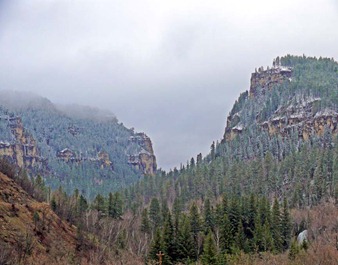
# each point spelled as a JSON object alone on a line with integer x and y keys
{"x": 276, "y": 227}
{"x": 155, "y": 213}
{"x": 83, "y": 204}
{"x": 169, "y": 242}
{"x": 241, "y": 239}
{"x": 145, "y": 223}
{"x": 115, "y": 205}
{"x": 285, "y": 225}
{"x": 212, "y": 151}
{"x": 110, "y": 205}
{"x": 177, "y": 208}
{"x": 156, "y": 245}
{"x": 185, "y": 241}
{"x": 258, "y": 235}
{"x": 226, "y": 237}
{"x": 234, "y": 216}
{"x": 195, "y": 226}
{"x": 99, "y": 204}
{"x": 209, "y": 220}
{"x": 209, "y": 256}
{"x": 294, "y": 250}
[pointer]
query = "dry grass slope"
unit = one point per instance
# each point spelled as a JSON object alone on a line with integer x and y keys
{"x": 30, "y": 232}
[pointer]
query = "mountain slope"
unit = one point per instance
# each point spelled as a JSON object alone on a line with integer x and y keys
{"x": 73, "y": 146}
{"x": 280, "y": 143}
{"x": 280, "y": 140}
{"x": 30, "y": 230}
{"x": 296, "y": 95}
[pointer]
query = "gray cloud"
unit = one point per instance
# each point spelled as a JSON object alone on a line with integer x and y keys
{"x": 170, "y": 68}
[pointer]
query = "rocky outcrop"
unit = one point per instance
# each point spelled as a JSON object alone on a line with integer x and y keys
{"x": 104, "y": 159}
{"x": 302, "y": 237}
{"x": 145, "y": 159}
{"x": 23, "y": 148}
{"x": 67, "y": 155}
{"x": 263, "y": 80}
{"x": 301, "y": 116}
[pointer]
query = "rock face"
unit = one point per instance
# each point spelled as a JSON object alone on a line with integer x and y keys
{"x": 74, "y": 146}
{"x": 302, "y": 237}
{"x": 22, "y": 149}
{"x": 144, "y": 159}
{"x": 69, "y": 156}
{"x": 234, "y": 125}
{"x": 300, "y": 113}
{"x": 262, "y": 80}
{"x": 301, "y": 116}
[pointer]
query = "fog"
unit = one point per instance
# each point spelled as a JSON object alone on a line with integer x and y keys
{"x": 172, "y": 69}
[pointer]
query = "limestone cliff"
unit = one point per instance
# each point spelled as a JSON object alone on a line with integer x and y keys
{"x": 262, "y": 80}
{"x": 22, "y": 149}
{"x": 302, "y": 118}
{"x": 144, "y": 159}
{"x": 282, "y": 102}
{"x": 82, "y": 147}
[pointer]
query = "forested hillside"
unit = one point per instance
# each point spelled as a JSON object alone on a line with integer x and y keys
{"x": 72, "y": 146}
{"x": 280, "y": 143}
{"x": 273, "y": 163}
{"x": 272, "y": 176}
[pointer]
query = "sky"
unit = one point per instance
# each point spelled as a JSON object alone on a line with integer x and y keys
{"x": 172, "y": 69}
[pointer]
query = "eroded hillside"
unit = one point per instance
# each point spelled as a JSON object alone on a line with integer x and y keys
{"x": 31, "y": 233}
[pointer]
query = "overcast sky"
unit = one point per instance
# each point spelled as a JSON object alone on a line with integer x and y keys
{"x": 169, "y": 68}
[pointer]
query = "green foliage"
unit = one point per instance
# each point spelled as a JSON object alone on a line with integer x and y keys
{"x": 115, "y": 205}
{"x": 195, "y": 227}
{"x": 286, "y": 225}
{"x": 156, "y": 245}
{"x": 86, "y": 137}
{"x": 226, "y": 236}
{"x": 209, "y": 220}
{"x": 186, "y": 245}
{"x": 209, "y": 256}
{"x": 155, "y": 213}
{"x": 256, "y": 226}
{"x": 276, "y": 230}
{"x": 145, "y": 223}
{"x": 294, "y": 250}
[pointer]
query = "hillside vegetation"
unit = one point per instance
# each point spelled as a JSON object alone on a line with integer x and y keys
{"x": 272, "y": 176}
{"x": 72, "y": 146}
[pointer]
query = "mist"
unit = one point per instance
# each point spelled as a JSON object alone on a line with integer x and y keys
{"x": 172, "y": 69}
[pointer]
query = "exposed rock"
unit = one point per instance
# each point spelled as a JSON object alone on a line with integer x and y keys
{"x": 302, "y": 116}
{"x": 262, "y": 79}
{"x": 103, "y": 157}
{"x": 22, "y": 149}
{"x": 302, "y": 237}
{"x": 144, "y": 160}
{"x": 66, "y": 155}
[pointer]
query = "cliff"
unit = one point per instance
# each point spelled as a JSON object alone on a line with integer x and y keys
{"x": 302, "y": 117}
{"x": 263, "y": 80}
{"x": 23, "y": 148}
{"x": 144, "y": 159}
{"x": 288, "y": 98}
{"x": 76, "y": 147}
